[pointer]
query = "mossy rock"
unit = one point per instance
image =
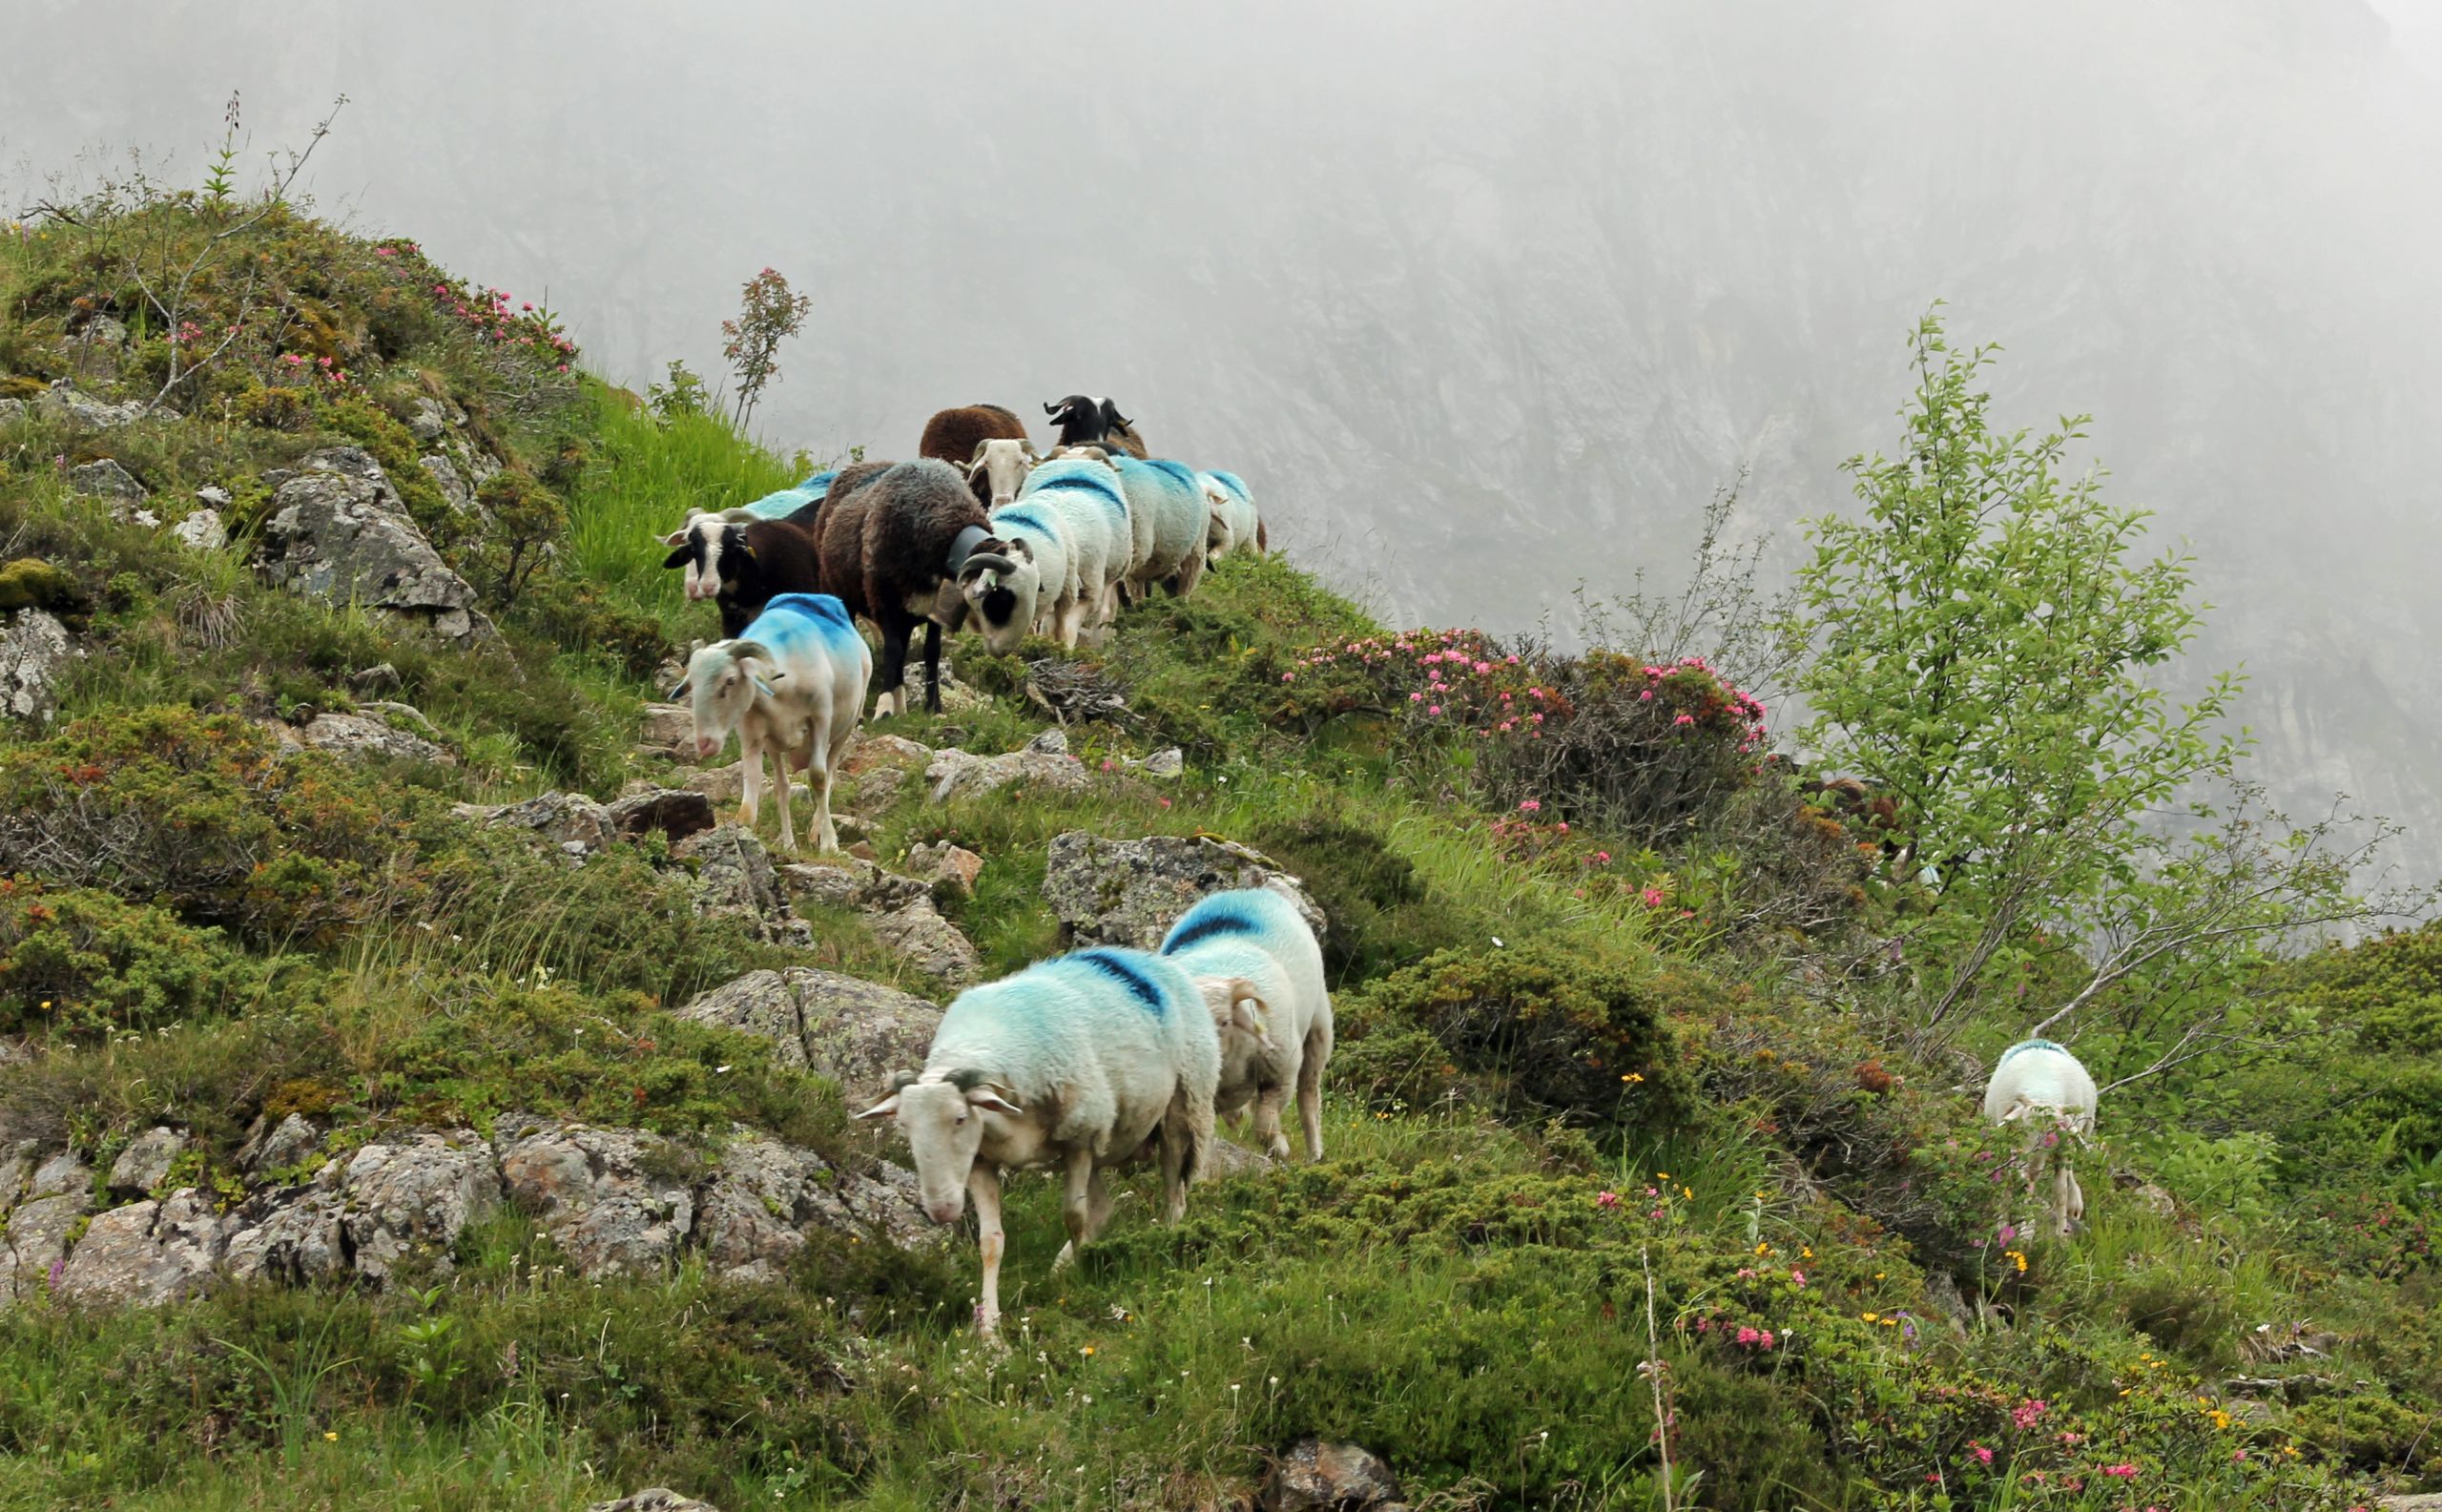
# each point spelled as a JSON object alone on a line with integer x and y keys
{"x": 17, "y": 385}
{"x": 32, "y": 583}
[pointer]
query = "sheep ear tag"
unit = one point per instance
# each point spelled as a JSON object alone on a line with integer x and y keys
{"x": 679, "y": 691}
{"x": 764, "y": 688}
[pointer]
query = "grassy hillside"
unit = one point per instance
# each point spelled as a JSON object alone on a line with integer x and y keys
{"x": 1628, "y": 1149}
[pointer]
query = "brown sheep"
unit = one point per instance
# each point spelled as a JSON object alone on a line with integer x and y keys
{"x": 957, "y": 437}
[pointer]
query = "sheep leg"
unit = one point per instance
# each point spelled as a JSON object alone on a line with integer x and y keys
{"x": 750, "y": 777}
{"x": 1077, "y": 1206}
{"x": 788, "y": 827}
{"x": 1310, "y": 1088}
{"x": 983, "y": 1186}
{"x": 1268, "y": 1105}
{"x": 818, "y": 777}
{"x": 894, "y": 667}
{"x": 932, "y": 665}
{"x": 1190, "y": 571}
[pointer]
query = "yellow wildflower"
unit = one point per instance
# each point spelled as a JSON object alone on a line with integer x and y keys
{"x": 1871, "y": 1318}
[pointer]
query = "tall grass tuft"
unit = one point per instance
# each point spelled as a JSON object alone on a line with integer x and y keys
{"x": 646, "y": 472}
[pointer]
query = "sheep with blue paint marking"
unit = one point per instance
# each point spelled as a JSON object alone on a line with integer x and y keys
{"x": 1260, "y": 971}
{"x": 1236, "y": 526}
{"x": 1176, "y": 519}
{"x": 2041, "y": 1087}
{"x": 741, "y": 557}
{"x": 793, "y": 685}
{"x": 1054, "y": 557}
{"x": 1081, "y": 1061}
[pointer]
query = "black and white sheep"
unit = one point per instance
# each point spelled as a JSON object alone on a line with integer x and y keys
{"x": 1085, "y": 421}
{"x": 742, "y": 558}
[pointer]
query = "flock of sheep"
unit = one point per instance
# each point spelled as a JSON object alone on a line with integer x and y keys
{"x": 1106, "y": 1056}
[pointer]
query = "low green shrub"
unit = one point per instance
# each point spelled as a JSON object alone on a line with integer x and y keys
{"x": 1547, "y": 1031}
{"x": 85, "y": 964}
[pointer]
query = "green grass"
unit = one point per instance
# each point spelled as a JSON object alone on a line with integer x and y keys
{"x": 645, "y": 475}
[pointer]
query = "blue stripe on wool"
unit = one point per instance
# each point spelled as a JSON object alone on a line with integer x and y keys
{"x": 1178, "y": 473}
{"x": 783, "y": 504}
{"x": 1092, "y": 477}
{"x": 1025, "y": 515}
{"x": 792, "y": 619}
{"x": 820, "y": 483}
{"x": 2028, "y": 1044}
{"x": 1209, "y": 920}
{"x": 1125, "y": 974}
{"x": 1234, "y": 482}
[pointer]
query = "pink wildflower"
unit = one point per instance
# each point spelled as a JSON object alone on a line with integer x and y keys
{"x": 1606, "y": 1200}
{"x": 1433, "y": 709}
{"x": 1288, "y": 677}
{"x": 1652, "y": 896}
{"x": 1530, "y": 806}
{"x": 1983, "y": 1455}
{"x": 2125, "y": 1472}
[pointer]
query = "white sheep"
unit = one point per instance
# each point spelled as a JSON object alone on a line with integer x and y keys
{"x": 1236, "y": 526}
{"x": 1083, "y": 1061}
{"x": 1250, "y": 950}
{"x": 1001, "y": 466}
{"x": 1053, "y": 558}
{"x": 2040, "y": 1085}
{"x": 793, "y": 685}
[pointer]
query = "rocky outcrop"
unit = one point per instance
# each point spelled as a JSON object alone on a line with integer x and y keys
{"x": 64, "y": 399}
{"x": 106, "y": 479}
{"x": 654, "y": 1499}
{"x": 291, "y": 1234}
{"x": 854, "y": 1032}
{"x": 147, "y": 1252}
{"x": 57, "y": 1195}
{"x": 569, "y": 822}
{"x": 1130, "y": 892}
{"x": 1042, "y": 762}
{"x": 281, "y": 1146}
{"x": 769, "y": 1199}
{"x": 372, "y": 733}
{"x": 201, "y": 531}
{"x": 339, "y": 531}
{"x": 930, "y": 942}
{"x": 676, "y": 813}
{"x": 595, "y": 1192}
{"x": 951, "y": 870}
{"x": 409, "y": 1200}
{"x": 734, "y": 876}
{"x": 34, "y": 652}
{"x": 875, "y": 766}
{"x": 1317, "y": 1476}
{"x": 669, "y": 730}
{"x": 145, "y": 1162}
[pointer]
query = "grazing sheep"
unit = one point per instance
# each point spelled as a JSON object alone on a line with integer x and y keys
{"x": 2040, "y": 1085}
{"x": 891, "y": 550}
{"x": 741, "y": 559}
{"x": 1235, "y": 525}
{"x": 1250, "y": 948}
{"x": 1084, "y": 421}
{"x": 1081, "y": 1061}
{"x": 953, "y": 435}
{"x": 997, "y": 468}
{"x": 1055, "y": 556}
{"x": 793, "y": 685}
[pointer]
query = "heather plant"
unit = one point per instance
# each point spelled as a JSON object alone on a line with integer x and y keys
{"x": 770, "y": 315}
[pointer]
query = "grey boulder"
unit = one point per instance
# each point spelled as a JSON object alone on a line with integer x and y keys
{"x": 411, "y": 1198}
{"x": 1043, "y": 762}
{"x": 340, "y": 532}
{"x": 147, "y": 1252}
{"x": 855, "y": 1033}
{"x": 594, "y": 1194}
{"x": 34, "y": 652}
{"x": 1318, "y": 1477}
{"x": 1130, "y": 892}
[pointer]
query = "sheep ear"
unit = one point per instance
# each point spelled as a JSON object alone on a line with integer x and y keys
{"x": 887, "y": 1107}
{"x": 678, "y": 558}
{"x": 699, "y": 644}
{"x": 1247, "y": 1009}
{"x": 988, "y": 1098}
{"x": 977, "y": 460}
{"x": 749, "y": 651}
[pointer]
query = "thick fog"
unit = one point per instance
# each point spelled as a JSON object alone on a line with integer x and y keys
{"x": 1482, "y": 300}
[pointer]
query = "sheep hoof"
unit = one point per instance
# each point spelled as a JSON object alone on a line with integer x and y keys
{"x": 1066, "y": 1258}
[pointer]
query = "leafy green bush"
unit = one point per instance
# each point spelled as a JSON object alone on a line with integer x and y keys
{"x": 1546, "y": 1030}
{"x": 86, "y": 962}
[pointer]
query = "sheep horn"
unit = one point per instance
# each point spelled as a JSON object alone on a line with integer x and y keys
{"x": 1055, "y": 410}
{"x": 986, "y": 562}
{"x": 748, "y": 649}
{"x": 901, "y": 1081}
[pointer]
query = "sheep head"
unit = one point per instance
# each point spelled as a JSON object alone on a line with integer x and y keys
{"x": 1003, "y": 585}
{"x": 1238, "y": 1011}
{"x": 723, "y": 681}
{"x": 944, "y": 1113}
{"x": 1005, "y": 462}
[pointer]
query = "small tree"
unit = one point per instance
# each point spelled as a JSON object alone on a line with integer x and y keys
{"x": 1982, "y": 643}
{"x": 770, "y": 315}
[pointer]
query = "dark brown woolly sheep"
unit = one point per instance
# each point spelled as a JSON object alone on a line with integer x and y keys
{"x": 956, "y": 436}
{"x": 891, "y": 551}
